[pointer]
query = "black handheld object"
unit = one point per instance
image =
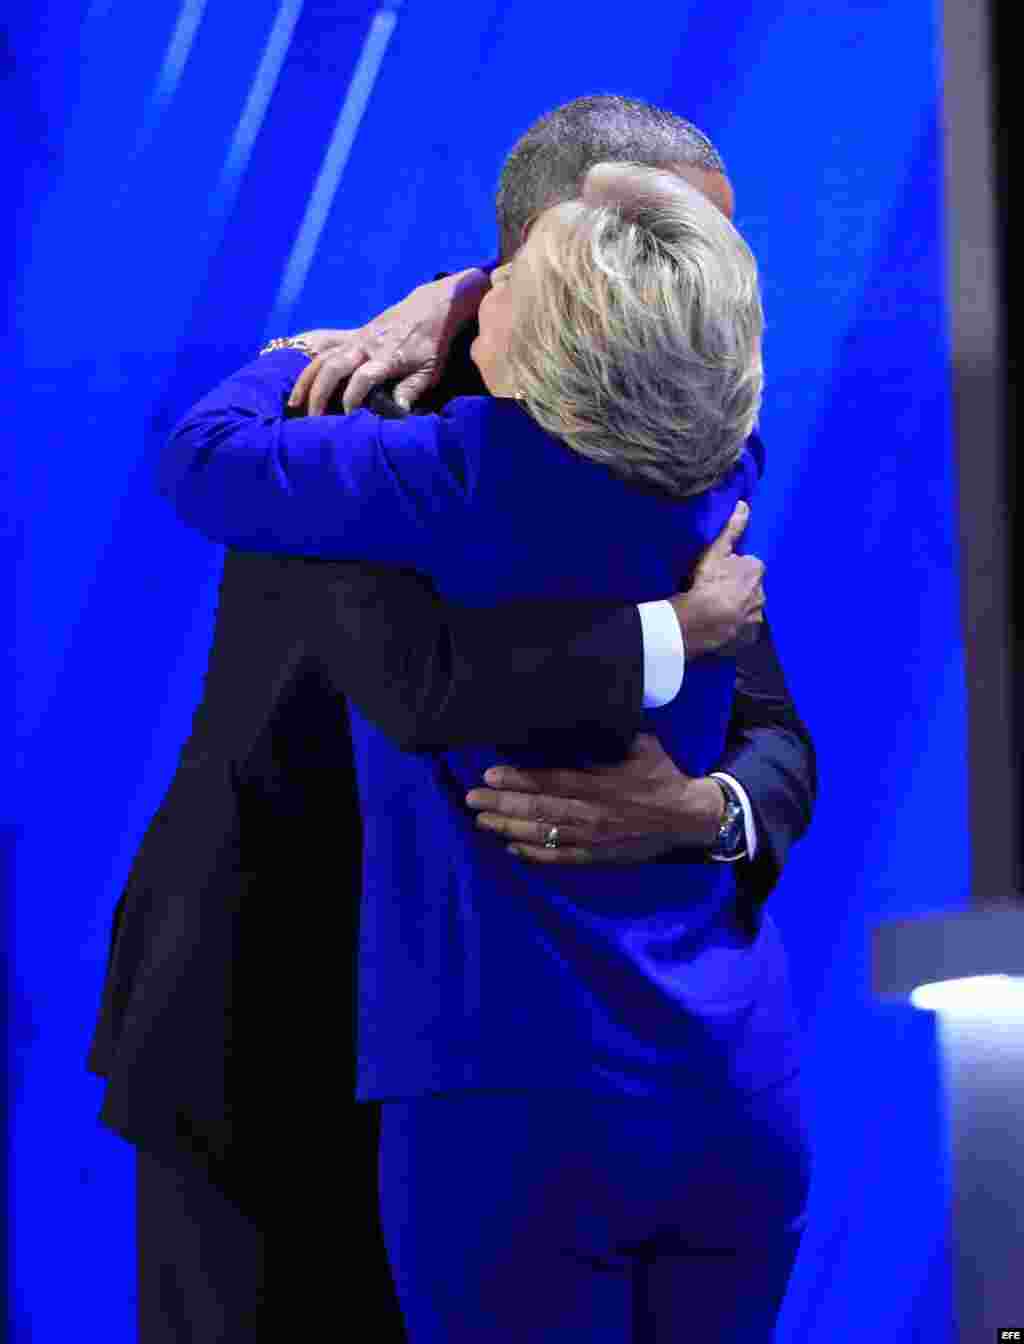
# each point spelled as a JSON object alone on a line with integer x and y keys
{"x": 379, "y": 400}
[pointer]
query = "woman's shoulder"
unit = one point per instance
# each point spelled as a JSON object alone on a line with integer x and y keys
{"x": 460, "y": 421}
{"x": 478, "y": 428}
{"x": 456, "y": 440}
{"x": 741, "y": 481}
{"x": 469, "y": 419}
{"x": 468, "y": 412}
{"x": 469, "y": 434}
{"x": 744, "y": 476}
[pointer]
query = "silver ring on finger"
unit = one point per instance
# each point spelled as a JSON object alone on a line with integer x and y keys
{"x": 551, "y": 839}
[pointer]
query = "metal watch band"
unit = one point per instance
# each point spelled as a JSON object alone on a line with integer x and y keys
{"x": 731, "y": 840}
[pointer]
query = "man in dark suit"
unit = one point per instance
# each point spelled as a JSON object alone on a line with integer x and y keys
{"x": 227, "y": 1021}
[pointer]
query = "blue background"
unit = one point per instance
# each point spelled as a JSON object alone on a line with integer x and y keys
{"x": 166, "y": 157}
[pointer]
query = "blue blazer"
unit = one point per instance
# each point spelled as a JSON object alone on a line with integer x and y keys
{"x": 475, "y": 970}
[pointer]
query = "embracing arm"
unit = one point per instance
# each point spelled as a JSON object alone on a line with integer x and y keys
{"x": 769, "y": 752}
{"x": 241, "y": 472}
{"x": 434, "y": 675}
{"x": 431, "y": 674}
{"x": 647, "y": 808}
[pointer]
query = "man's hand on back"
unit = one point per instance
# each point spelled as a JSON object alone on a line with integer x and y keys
{"x": 645, "y": 806}
{"x": 626, "y": 813}
{"x": 409, "y": 341}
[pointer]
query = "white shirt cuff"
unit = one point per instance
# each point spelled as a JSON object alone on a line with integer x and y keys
{"x": 664, "y": 654}
{"x": 749, "y": 829}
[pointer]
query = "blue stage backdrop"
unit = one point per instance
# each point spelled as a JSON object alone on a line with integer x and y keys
{"x": 197, "y": 176}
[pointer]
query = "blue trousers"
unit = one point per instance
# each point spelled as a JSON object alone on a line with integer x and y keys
{"x": 518, "y": 1217}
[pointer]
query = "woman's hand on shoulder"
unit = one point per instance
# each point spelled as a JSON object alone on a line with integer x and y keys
{"x": 407, "y": 343}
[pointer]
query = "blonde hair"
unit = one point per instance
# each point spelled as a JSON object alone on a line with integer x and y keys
{"x": 639, "y": 343}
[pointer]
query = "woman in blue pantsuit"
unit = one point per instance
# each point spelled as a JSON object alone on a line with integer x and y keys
{"x": 591, "y": 1125}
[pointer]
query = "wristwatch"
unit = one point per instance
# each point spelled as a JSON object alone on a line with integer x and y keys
{"x": 731, "y": 842}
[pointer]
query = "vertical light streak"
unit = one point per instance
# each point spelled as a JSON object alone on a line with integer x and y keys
{"x": 169, "y": 77}
{"x": 175, "y": 59}
{"x": 363, "y": 79}
{"x": 253, "y": 113}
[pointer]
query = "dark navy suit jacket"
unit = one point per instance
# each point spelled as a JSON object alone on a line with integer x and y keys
{"x": 475, "y": 971}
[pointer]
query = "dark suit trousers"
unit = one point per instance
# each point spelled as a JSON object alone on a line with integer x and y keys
{"x": 201, "y": 1258}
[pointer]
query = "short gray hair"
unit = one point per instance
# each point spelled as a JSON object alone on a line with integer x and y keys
{"x": 548, "y": 162}
{"x": 638, "y": 343}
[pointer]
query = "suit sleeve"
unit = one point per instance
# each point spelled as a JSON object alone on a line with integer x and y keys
{"x": 769, "y": 750}
{"x": 242, "y": 473}
{"x": 433, "y": 675}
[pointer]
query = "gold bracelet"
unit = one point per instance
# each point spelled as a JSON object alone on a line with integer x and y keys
{"x": 290, "y": 343}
